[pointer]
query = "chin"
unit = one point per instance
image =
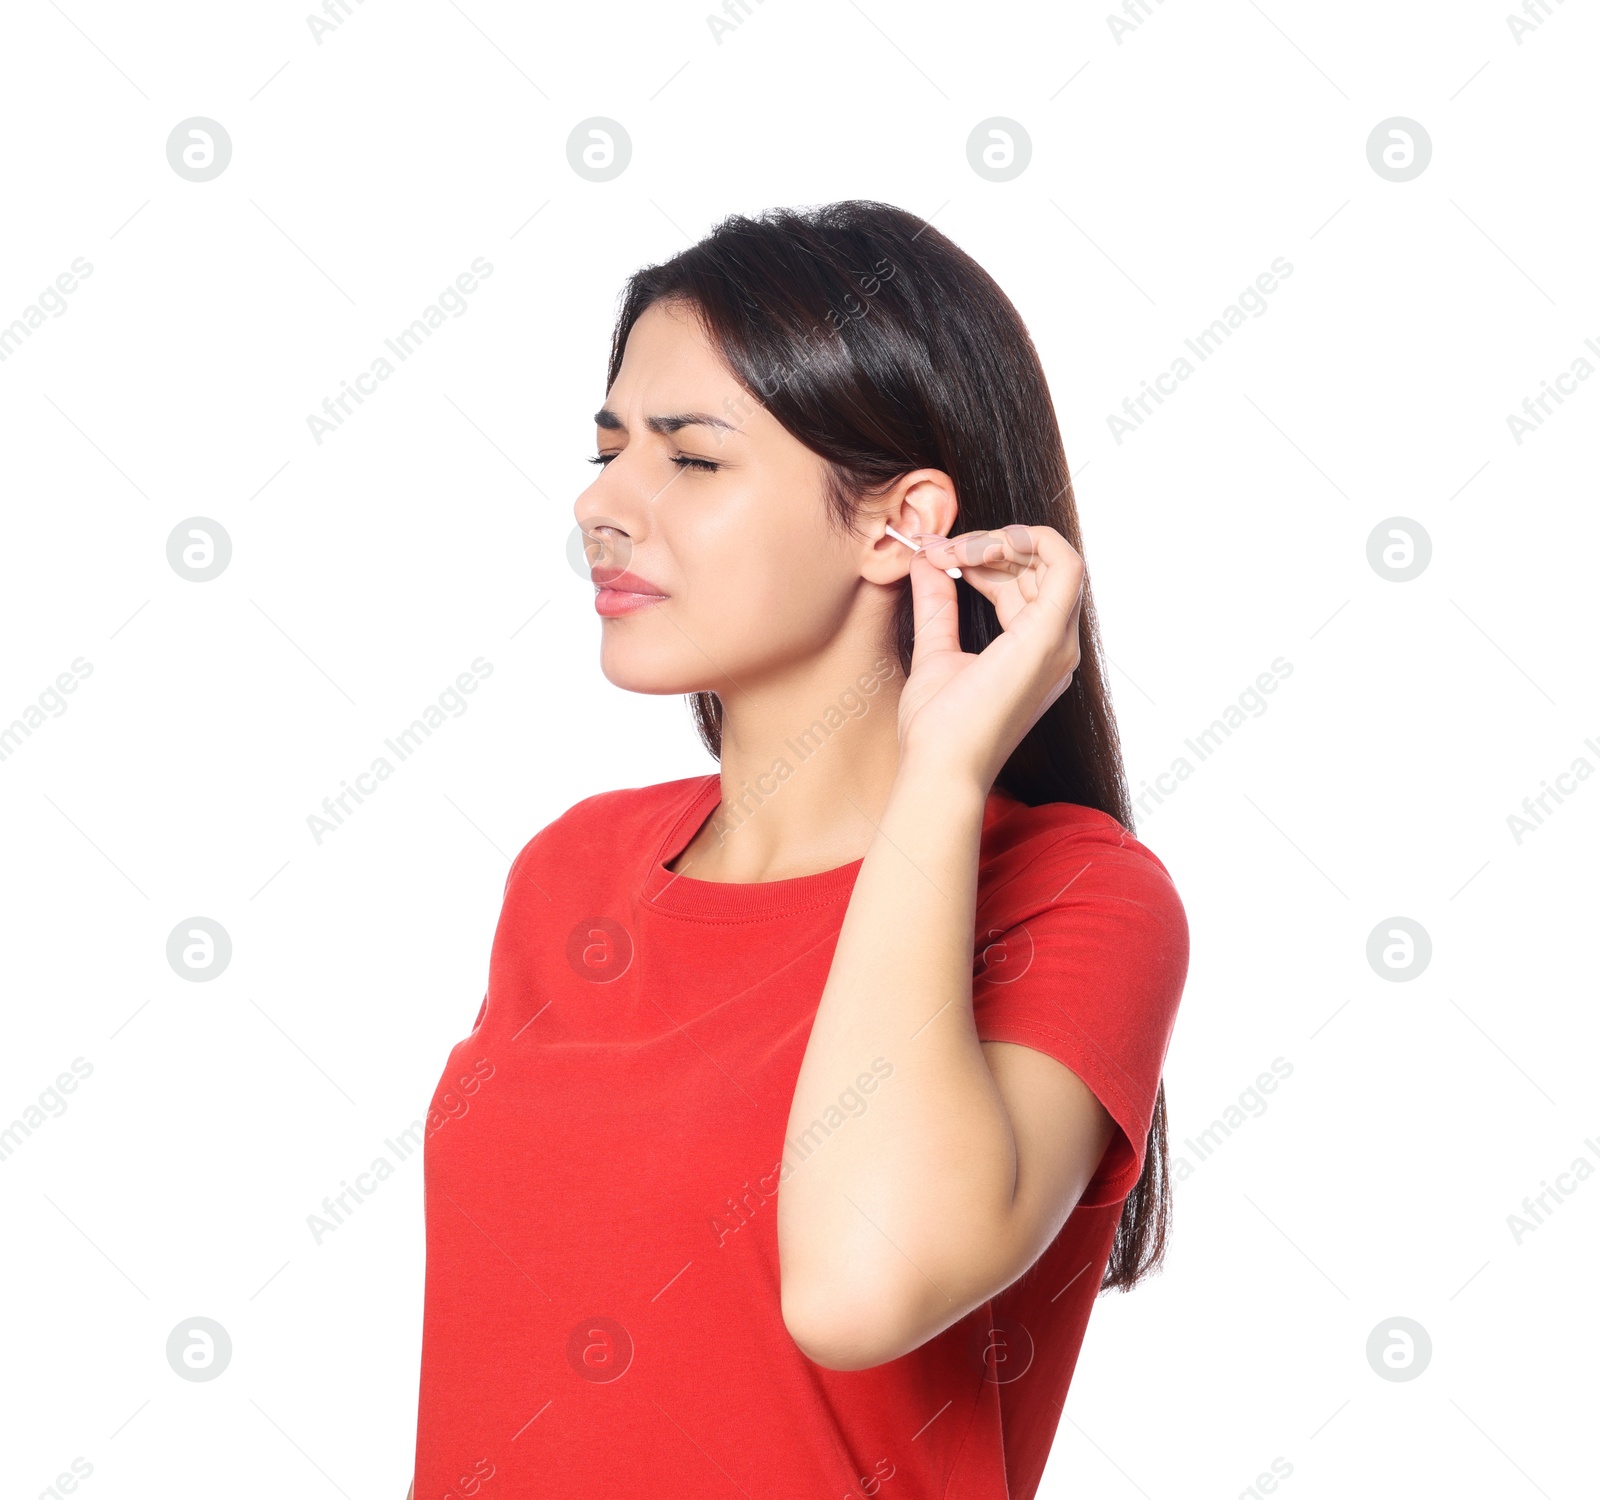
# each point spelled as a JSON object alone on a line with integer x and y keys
{"x": 638, "y": 670}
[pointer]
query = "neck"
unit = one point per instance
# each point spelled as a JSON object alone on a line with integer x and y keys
{"x": 808, "y": 760}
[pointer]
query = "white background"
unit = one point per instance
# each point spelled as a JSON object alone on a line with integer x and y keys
{"x": 1169, "y": 169}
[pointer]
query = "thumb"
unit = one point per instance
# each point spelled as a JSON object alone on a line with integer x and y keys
{"x": 933, "y": 609}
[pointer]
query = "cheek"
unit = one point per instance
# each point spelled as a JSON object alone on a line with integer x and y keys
{"x": 754, "y": 586}
{"x": 759, "y": 578}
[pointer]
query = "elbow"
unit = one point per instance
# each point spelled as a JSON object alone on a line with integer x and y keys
{"x": 847, "y": 1331}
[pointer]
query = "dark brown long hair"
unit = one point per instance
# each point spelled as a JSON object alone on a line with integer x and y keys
{"x": 884, "y": 348}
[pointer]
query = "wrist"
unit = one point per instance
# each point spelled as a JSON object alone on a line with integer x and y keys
{"x": 926, "y": 781}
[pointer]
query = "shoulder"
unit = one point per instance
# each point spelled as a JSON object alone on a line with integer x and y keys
{"x": 618, "y": 825}
{"x": 626, "y": 809}
{"x": 1060, "y": 855}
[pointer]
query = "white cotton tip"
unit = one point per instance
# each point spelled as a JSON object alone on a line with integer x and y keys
{"x": 953, "y": 572}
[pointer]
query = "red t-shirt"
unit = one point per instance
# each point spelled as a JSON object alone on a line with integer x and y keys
{"x": 602, "y": 1315}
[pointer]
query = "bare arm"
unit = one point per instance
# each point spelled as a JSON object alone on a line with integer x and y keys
{"x": 969, "y": 1156}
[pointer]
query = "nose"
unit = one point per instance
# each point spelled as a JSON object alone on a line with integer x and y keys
{"x": 611, "y": 521}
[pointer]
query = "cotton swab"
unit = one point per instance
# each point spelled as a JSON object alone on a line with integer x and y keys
{"x": 953, "y": 572}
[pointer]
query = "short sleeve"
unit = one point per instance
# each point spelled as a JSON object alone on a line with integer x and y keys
{"x": 1083, "y": 956}
{"x": 508, "y": 902}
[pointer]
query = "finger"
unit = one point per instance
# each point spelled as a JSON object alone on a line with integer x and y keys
{"x": 968, "y": 549}
{"x": 1061, "y": 573}
{"x": 981, "y": 558}
{"x": 933, "y": 608}
{"x": 988, "y": 559}
{"x": 1044, "y": 567}
{"x": 1050, "y": 571}
{"x": 996, "y": 584}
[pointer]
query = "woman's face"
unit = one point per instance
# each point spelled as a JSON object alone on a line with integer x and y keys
{"x": 722, "y": 565}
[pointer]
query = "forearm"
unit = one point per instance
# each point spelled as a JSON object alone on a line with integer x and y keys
{"x": 906, "y": 1205}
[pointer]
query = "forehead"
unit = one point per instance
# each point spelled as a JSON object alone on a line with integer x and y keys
{"x": 669, "y": 356}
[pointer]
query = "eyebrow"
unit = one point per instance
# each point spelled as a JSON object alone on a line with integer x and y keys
{"x": 608, "y": 420}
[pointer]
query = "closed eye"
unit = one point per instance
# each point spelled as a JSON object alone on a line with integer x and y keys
{"x": 705, "y": 465}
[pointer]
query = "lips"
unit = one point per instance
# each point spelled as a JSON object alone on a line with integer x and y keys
{"x": 622, "y": 593}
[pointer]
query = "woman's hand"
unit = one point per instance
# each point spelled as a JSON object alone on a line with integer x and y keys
{"x": 966, "y": 712}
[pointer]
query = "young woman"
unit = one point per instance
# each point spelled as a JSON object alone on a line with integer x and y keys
{"x": 812, "y": 1101}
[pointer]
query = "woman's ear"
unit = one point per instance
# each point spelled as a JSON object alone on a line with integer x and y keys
{"x": 923, "y": 500}
{"x": 927, "y": 503}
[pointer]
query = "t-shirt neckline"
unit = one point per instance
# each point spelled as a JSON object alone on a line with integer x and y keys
{"x": 710, "y": 900}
